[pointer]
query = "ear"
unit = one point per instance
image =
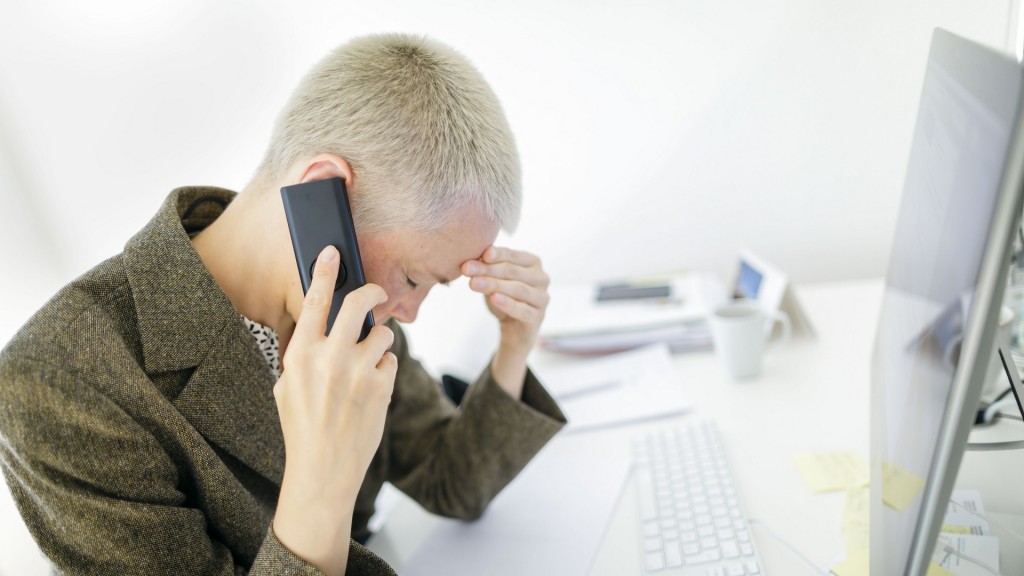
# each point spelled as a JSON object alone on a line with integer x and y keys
{"x": 324, "y": 166}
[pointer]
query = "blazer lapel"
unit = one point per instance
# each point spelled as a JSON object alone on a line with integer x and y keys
{"x": 186, "y": 322}
{"x": 230, "y": 400}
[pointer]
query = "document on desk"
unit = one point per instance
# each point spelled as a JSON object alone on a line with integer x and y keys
{"x": 549, "y": 520}
{"x": 611, "y": 390}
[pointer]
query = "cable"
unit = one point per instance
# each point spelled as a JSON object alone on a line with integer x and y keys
{"x": 989, "y": 415}
{"x": 949, "y": 550}
{"x": 998, "y": 404}
{"x": 792, "y": 548}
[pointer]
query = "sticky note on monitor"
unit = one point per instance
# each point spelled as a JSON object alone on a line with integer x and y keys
{"x": 899, "y": 486}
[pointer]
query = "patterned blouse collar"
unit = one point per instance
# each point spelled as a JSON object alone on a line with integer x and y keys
{"x": 266, "y": 340}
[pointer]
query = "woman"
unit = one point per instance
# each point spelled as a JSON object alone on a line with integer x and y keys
{"x": 178, "y": 409}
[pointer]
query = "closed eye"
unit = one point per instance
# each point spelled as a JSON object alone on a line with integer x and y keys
{"x": 411, "y": 284}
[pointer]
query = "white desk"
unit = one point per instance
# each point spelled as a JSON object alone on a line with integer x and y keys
{"x": 812, "y": 395}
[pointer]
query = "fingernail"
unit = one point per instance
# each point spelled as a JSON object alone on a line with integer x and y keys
{"x": 329, "y": 254}
{"x": 499, "y": 298}
{"x": 472, "y": 269}
{"x": 478, "y": 283}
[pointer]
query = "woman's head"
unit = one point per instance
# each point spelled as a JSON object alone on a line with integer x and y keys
{"x": 420, "y": 128}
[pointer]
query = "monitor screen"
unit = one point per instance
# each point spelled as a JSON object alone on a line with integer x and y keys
{"x": 960, "y": 205}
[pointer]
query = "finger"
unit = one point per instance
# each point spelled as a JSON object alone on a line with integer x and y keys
{"x": 536, "y": 297}
{"x": 388, "y": 364}
{"x": 496, "y": 254}
{"x": 377, "y": 342}
{"x": 312, "y": 322}
{"x": 349, "y": 323}
{"x": 520, "y": 311}
{"x": 533, "y": 275}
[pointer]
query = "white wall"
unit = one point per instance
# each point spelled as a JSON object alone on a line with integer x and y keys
{"x": 655, "y": 134}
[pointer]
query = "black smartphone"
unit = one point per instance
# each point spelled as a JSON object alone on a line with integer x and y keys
{"x": 319, "y": 215}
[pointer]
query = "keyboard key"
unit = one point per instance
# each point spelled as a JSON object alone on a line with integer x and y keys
{"x": 652, "y": 544}
{"x": 752, "y": 568}
{"x": 735, "y": 570}
{"x": 730, "y": 549}
{"x": 703, "y": 557}
{"x": 654, "y": 561}
{"x": 673, "y": 555}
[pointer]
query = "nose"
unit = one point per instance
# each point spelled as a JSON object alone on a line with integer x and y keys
{"x": 408, "y": 307}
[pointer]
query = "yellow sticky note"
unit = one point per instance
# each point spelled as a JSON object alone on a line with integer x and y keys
{"x": 855, "y": 564}
{"x": 951, "y": 529}
{"x": 936, "y": 570}
{"x": 855, "y": 518}
{"x": 831, "y": 471}
{"x": 899, "y": 486}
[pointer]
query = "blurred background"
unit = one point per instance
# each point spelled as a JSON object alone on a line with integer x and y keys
{"x": 655, "y": 135}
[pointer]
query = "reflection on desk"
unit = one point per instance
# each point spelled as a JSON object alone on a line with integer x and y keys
{"x": 812, "y": 396}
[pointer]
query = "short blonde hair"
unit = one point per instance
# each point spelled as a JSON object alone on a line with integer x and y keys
{"x": 422, "y": 130}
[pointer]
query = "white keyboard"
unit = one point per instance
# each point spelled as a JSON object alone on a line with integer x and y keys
{"x": 692, "y": 521}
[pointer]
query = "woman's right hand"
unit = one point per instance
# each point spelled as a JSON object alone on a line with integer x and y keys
{"x": 332, "y": 399}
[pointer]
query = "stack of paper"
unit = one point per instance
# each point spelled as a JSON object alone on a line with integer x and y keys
{"x": 578, "y": 322}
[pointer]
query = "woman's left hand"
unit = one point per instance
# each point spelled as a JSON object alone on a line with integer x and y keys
{"x": 515, "y": 287}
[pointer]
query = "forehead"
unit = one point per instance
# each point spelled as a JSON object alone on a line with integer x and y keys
{"x": 442, "y": 252}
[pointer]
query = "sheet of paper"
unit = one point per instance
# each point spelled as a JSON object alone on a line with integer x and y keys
{"x": 549, "y": 520}
{"x": 964, "y": 523}
{"x": 616, "y": 389}
{"x": 966, "y": 501}
{"x": 984, "y": 549}
{"x": 831, "y": 471}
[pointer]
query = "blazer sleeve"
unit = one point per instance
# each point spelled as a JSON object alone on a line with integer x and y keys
{"x": 453, "y": 461}
{"x": 101, "y": 495}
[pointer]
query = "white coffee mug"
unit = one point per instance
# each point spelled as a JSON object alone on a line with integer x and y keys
{"x": 740, "y": 330}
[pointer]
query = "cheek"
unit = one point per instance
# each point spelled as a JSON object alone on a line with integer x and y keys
{"x": 382, "y": 312}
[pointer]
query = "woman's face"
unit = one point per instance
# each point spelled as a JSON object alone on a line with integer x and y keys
{"x": 407, "y": 264}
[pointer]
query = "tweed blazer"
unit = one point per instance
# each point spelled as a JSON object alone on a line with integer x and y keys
{"x": 139, "y": 432}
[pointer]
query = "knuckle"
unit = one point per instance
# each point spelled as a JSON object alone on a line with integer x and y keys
{"x": 321, "y": 269}
{"x": 315, "y": 298}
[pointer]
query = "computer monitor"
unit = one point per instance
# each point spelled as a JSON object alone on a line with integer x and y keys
{"x": 936, "y": 332}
